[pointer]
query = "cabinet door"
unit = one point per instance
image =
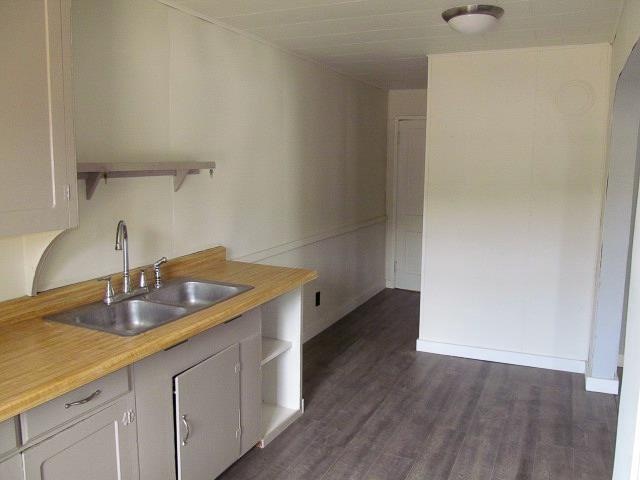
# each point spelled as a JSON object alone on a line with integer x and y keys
{"x": 36, "y": 135}
{"x": 208, "y": 416}
{"x": 8, "y": 436}
{"x": 101, "y": 447}
{"x": 11, "y": 468}
{"x": 251, "y": 392}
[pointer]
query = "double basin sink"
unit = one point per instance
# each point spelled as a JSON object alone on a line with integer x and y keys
{"x": 148, "y": 310}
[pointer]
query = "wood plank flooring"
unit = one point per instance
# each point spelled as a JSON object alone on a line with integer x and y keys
{"x": 376, "y": 409}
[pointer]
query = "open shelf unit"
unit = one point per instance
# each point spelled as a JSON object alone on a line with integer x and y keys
{"x": 275, "y": 419}
{"x": 281, "y": 364}
{"x": 272, "y": 347}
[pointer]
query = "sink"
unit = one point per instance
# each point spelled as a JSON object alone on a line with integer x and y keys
{"x": 138, "y": 314}
{"x": 195, "y": 294}
{"x": 128, "y": 317}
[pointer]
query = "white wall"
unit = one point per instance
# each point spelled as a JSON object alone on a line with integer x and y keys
{"x": 627, "y": 35}
{"x": 409, "y": 102}
{"x": 627, "y": 461}
{"x": 617, "y": 223}
{"x": 300, "y": 153}
{"x": 12, "y": 280}
{"x": 514, "y": 185}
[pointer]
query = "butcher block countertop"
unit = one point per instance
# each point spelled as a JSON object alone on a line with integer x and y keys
{"x": 41, "y": 360}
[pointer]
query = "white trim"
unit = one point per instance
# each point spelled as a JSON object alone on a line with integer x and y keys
{"x": 392, "y": 188}
{"x": 518, "y": 49}
{"x": 621, "y": 360}
{"x": 303, "y": 242}
{"x": 602, "y": 385}
{"x": 501, "y": 356}
{"x": 342, "y": 310}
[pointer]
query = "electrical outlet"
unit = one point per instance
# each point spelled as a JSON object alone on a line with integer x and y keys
{"x": 317, "y": 299}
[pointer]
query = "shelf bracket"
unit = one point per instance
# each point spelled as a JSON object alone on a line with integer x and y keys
{"x": 92, "y": 181}
{"x": 178, "y": 180}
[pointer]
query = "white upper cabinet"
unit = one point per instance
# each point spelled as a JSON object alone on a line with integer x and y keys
{"x": 37, "y": 153}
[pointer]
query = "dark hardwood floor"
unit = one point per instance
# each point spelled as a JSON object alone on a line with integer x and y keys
{"x": 377, "y": 409}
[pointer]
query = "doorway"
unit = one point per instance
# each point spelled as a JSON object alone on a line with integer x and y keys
{"x": 409, "y": 201}
{"x": 626, "y": 113}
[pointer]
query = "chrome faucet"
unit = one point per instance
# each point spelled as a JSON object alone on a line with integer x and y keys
{"x": 157, "y": 272}
{"x": 122, "y": 243}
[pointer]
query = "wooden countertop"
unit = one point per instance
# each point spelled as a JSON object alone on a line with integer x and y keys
{"x": 41, "y": 360}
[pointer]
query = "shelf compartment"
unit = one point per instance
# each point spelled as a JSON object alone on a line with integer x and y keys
{"x": 272, "y": 347}
{"x": 93, "y": 172}
{"x": 275, "y": 418}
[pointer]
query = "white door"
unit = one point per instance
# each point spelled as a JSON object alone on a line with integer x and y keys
{"x": 208, "y": 416}
{"x": 409, "y": 202}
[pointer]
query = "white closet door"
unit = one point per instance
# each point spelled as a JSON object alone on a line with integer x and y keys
{"x": 409, "y": 202}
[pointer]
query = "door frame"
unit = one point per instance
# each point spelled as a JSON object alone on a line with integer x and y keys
{"x": 627, "y": 446}
{"x": 392, "y": 190}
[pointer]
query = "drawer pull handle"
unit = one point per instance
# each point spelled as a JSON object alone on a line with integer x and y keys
{"x": 84, "y": 400}
{"x": 187, "y": 430}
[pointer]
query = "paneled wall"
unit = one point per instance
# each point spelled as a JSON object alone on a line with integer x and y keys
{"x": 515, "y": 174}
{"x": 300, "y": 152}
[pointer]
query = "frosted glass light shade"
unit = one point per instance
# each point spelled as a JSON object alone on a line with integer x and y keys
{"x": 473, "y": 23}
{"x": 470, "y": 19}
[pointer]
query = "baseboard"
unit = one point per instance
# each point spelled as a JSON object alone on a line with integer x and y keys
{"x": 501, "y": 356}
{"x": 602, "y": 385}
{"x": 339, "y": 312}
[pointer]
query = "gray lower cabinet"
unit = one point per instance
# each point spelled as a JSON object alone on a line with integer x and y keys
{"x": 11, "y": 468}
{"x": 250, "y": 392}
{"x": 208, "y": 416}
{"x": 199, "y": 403}
{"x": 100, "y": 447}
{"x": 8, "y": 437}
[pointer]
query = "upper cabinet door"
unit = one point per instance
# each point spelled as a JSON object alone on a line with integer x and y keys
{"x": 37, "y": 154}
{"x": 208, "y": 416}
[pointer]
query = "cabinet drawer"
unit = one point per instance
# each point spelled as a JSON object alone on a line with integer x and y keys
{"x": 8, "y": 436}
{"x": 73, "y": 404}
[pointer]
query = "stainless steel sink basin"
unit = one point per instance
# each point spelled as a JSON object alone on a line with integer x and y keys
{"x": 195, "y": 294}
{"x": 138, "y": 314}
{"x": 129, "y": 317}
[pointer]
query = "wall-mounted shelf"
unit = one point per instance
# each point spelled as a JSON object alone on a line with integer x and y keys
{"x": 92, "y": 173}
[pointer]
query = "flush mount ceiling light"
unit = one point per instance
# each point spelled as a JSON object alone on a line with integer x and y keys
{"x": 473, "y": 18}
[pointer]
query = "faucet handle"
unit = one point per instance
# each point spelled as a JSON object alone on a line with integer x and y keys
{"x": 143, "y": 278}
{"x": 156, "y": 271}
{"x": 109, "y": 294}
{"x": 159, "y": 262}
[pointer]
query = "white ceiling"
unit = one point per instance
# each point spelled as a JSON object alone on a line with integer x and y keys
{"x": 384, "y": 42}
